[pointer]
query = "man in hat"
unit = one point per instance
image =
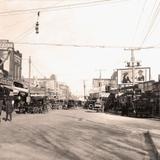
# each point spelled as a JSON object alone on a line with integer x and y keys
{"x": 9, "y": 108}
{"x": 1, "y": 107}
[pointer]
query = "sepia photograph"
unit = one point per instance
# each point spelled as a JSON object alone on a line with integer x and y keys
{"x": 79, "y": 79}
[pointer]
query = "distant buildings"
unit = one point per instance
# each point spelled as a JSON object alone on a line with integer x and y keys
{"x": 50, "y": 86}
{"x": 64, "y": 91}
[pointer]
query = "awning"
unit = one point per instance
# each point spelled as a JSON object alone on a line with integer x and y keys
{"x": 16, "y": 90}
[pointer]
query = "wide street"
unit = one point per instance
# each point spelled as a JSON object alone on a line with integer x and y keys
{"x": 76, "y": 135}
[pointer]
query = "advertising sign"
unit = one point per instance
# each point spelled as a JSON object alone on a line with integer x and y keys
{"x": 5, "y": 44}
{"x": 4, "y": 63}
{"x": 5, "y": 48}
{"x": 125, "y": 76}
{"x": 3, "y": 56}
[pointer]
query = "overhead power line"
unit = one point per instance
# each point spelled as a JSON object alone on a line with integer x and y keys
{"x": 57, "y": 7}
{"x": 140, "y": 19}
{"x": 154, "y": 17}
{"x": 24, "y": 34}
{"x": 81, "y": 46}
{"x": 34, "y": 66}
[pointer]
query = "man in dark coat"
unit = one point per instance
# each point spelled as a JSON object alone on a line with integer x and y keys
{"x": 1, "y": 107}
{"x": 9, "y": 108}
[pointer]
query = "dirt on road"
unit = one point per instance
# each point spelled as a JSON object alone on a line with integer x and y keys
{"x": 75, "y": 135}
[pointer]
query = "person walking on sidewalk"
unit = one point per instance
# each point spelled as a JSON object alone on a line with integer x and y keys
{"x": 9, "y": 108}
{"x": 1, "y": 108}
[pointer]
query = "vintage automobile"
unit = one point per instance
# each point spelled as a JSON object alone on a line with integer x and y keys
{"x": 38, "y": 105}
{"x": 98, "y": 107}
{"x": 89, "y": 104}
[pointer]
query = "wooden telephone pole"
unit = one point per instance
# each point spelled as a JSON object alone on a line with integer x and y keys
{"x": 133, "y": 62}
{"x": 29, "y": 86}
{"x": 84, "y": 87}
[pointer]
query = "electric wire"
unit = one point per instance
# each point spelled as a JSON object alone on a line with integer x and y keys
{"x": 34, "y": 66}
{"x": 58, "y": 7}
{"x": 18, "y": 22}
{"x": 80, "y": 45}
{"x": 71, "y": 45}
{"x": 23, "y": 34}
{"x": 154, "y": 17}
{"x": 154, "y": 26}
{"x": 152, "y": 23}
{"x": 153, "y": 29}
{"x": 139, "y": 19}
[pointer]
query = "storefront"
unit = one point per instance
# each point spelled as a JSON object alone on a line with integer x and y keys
{"x": 156, "y": 91}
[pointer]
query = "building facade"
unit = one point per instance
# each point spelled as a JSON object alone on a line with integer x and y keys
{"x": 48, "y": 85}
{"x": 102, "y": 85}
{"x": 15, "y": 65}
{"x": 63, "y": 91}
{"x": 10, "y": 61}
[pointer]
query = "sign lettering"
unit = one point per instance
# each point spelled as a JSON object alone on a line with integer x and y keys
{"x": 6, "y": 45}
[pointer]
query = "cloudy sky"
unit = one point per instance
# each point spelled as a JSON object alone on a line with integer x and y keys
{"x": 114, "y": 23}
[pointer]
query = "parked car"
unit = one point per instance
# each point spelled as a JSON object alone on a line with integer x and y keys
{"x": 98, "y": 107}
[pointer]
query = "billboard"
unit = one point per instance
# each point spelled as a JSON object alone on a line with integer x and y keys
{"x": 125, "y": 76}
{"x": 5, "y": 44}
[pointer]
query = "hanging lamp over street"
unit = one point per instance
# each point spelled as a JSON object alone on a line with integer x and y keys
{"x": 37, "y": 23}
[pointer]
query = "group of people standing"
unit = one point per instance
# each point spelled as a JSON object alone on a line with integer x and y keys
{"x": 7, "y": 105}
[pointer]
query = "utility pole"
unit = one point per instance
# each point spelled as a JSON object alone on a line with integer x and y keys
{"x": 28, "y": 100}
{"x": 133, "y": 62}
{"x": 29, "y": 86}
{"x": 133, "y": 66}
{"x": 100, "y": 81}
{"x": 84, "y": 87}
{"x": 100, "y": 78}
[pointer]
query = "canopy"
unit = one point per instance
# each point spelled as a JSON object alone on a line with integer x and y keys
{"x": 16, "y": 90}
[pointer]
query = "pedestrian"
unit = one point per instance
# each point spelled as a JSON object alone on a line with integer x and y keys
{"x": 1, "y": 107}
{"x": 9, "y": 108}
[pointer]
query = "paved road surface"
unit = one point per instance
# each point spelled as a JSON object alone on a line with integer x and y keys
{"x": 76, "y": 135}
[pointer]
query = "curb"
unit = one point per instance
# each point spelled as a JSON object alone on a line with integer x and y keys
{"x": 149, "y": 136}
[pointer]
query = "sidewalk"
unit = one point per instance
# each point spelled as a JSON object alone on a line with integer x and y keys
{"x": 155, "y": 138}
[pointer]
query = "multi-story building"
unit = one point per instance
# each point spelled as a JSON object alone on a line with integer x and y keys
{"x": 10, "y": 61}
{"x": 15, "y": 65}
{"x": 63, "y": 91}
{"x": 48, "y": 85}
